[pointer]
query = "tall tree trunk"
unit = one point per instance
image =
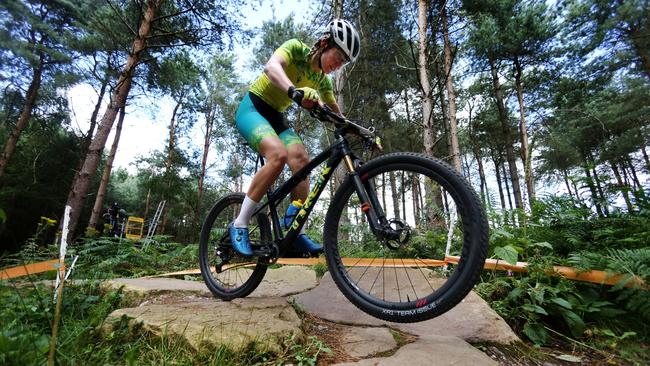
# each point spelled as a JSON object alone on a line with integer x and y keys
{"x": 93, "y": 118}
{"x": 594, "y": 193}
{"x": 425, "y": 85}
{"x": 451, "y": 93}
{"x": 599, "y": 187}
{"x": 101, "y": 192}
{"x": 172, "y": 139}
{"x": 505, "y": 181}
{"x": 207, "y": 140}
{"x": 481, "y": 174}
{"x": 84, "y": 178}
{"x": 23, "y": 119}
{"x": 168, "y": 164}
{"x": 408, "y": 116}
{"x": 622, "y": 186}
{"x": 505, "y": 126}
{"x": 523, "y": 135}
{"x": 416, "y": 199}
{"x": 476, "y": 149}
{"x": 638, "y": 191}
{"x": 497, "y": 171}
{"x": 568, "y": 186}
{"x": 147, "y": 202}
{"x": 85, "y": 142}
{"x": 635, "y": 177}
{"x": 645, "y": 158}
{"x": 575, "y": 188}
{"x": 440, "y": 85}
{"x": 626, "y": 179}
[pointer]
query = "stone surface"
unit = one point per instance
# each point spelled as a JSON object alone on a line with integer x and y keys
{"x": 472, "y": 320}
{"x": 284, "y": 281}
{"x": 432, "y": 350}
{"x": 367, "y": 341}
{"x": 208, "y": 322}
{"x": 159, "y": 285}
{"x": 185, "y": 310}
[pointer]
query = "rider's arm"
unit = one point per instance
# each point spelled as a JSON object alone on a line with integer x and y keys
{"x": 274, "y": 69}
{"x": 335, "y": 107}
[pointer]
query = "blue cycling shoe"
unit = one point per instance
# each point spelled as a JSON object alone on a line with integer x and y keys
{"x": 239, "y": 240}
{"x": 304, "y": 244}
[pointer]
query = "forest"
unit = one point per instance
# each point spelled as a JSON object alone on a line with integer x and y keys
{"x": 543, "y": 106}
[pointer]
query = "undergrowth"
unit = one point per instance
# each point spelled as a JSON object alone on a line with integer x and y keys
{"x": 540, "y": 305}
{"x": 27, "y": 313}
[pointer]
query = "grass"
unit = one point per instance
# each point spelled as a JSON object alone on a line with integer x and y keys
{"x": 25, "y": 327}
{"x": 27, "y": 312}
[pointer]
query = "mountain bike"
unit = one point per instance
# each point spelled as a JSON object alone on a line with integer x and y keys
{"x": 386, "y": 232}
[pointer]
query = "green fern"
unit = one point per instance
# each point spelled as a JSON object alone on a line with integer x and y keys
{"x": 631, "y": 264}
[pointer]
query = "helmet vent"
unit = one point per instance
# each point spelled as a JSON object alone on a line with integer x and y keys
{"x": 345, "y": 37}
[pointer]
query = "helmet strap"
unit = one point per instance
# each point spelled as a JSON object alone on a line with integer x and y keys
{"x": 321, "y": 50}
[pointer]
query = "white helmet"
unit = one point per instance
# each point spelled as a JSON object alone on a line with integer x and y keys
{"x": 345, "y": 37}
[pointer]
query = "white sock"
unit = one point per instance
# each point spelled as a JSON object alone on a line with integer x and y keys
{"x": 245, "y": 213}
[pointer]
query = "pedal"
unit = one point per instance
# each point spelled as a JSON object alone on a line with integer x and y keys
{"x": 266, "y": 250}
{"x": 298, "y": 254}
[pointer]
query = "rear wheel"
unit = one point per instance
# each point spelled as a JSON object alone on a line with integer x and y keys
{"x": 228, "y": 274}
{"x": 401, "y": 274}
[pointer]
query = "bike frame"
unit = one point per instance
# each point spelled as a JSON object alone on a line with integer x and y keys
{"x": 332, "y": 157}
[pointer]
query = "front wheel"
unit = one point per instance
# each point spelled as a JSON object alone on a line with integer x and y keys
{"x": 228, "y": 274}
{"x": 401, "y": 274}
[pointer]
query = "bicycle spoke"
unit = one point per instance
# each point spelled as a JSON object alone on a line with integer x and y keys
{"x": 238, "y": 275}
{"x": 399, "y": 272}
{"x": 409, "y": 278}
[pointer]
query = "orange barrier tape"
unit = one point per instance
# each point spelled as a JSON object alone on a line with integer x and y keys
{"x": 27, "y": 269}
{"x": 593, "y": 276}
{"x": 349, "y": 262}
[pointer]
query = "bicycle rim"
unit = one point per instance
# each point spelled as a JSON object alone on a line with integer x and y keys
{"x": 228, "y": 274}
{"x": 407, "y": 279}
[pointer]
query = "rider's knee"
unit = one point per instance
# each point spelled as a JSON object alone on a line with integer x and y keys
{"x": 277, "y": 158}
{"x": 299, "y": 160}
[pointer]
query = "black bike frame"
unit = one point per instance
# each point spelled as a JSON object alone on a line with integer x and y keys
{"x": 332, "y": 156}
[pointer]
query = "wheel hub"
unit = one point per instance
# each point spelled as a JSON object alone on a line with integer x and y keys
{"x": 397, "y": 234}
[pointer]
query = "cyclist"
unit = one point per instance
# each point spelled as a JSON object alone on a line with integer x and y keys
{"x": 295, "y": 72}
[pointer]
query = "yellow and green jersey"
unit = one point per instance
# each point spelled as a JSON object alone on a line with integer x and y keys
{"x": 299, "y": 71}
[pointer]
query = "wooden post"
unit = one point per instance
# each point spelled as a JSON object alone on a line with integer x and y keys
{"x": 59, "y": 285}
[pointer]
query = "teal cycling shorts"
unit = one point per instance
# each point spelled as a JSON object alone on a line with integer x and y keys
{"x": 256, "y": 120}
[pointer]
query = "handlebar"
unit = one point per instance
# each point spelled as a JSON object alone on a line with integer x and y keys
{"x": 325, "y": 114}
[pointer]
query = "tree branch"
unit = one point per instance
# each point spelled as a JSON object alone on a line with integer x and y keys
{"x": 119, "y": 15}
{"x": 191, "y": 8}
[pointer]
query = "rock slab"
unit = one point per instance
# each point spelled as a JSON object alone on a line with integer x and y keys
{"x": 432, "y": 350}
{"x": 208, "y": 322}
{"x": 284, "y": 281}
{"x": 367, "y": 341}
{"x": 472, "y": 320}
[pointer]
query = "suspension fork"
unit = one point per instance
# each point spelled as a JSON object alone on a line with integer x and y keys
{"x": 367, "y": 194}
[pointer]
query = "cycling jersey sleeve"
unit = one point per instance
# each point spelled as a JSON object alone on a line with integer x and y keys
{"x": 327, "y": 91}
{"x": 290, "y": 50}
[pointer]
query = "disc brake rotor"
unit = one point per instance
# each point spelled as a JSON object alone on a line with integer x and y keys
{"x": 401, "y": 233}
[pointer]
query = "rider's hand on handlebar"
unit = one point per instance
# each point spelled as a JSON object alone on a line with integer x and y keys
{"x": 304, "y": 97}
